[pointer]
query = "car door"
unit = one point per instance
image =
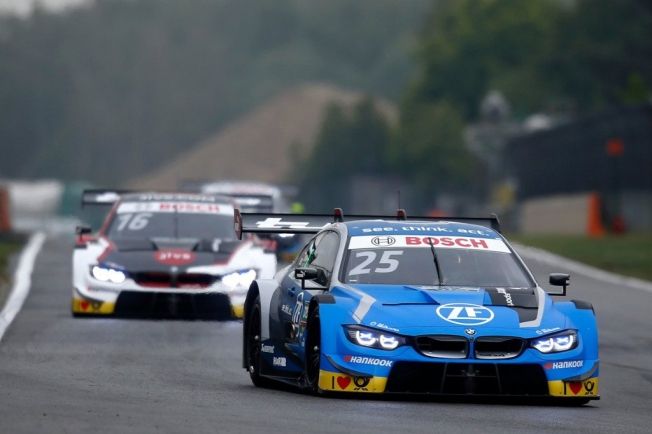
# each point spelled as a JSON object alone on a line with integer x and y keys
{"x": 320, "y": 253}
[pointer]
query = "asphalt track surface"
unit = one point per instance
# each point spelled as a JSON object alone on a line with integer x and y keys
{"x": 59, "y": 374}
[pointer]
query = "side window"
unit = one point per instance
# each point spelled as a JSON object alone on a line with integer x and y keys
{"x": 326, "y": 251}
{"x": 307, "y": 255}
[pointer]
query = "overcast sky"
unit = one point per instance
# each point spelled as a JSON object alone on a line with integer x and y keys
{"x": 24, "y": 7}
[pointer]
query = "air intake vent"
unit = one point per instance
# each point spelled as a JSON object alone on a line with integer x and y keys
{"x": 442, "y": 346}
{"x": 498, "y": 347}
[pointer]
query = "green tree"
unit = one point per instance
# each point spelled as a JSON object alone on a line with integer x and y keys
{"x": 539, "y": 53}
{"x": 428, "y": 150}
{"x": 471, "y": 46}
{"x": 350, "y": 142}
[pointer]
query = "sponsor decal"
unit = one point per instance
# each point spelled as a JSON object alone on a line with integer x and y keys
{"x": 343, "y": 382}
{"x": 546, "y": 331}
{"x": 279, "y": 361}
{"x": 434, "y": 229}
{"x": 174, "y": 257}
{"x": 576, "y": 387}
{"x": 507, "y": 295}
{"x": 94, "y": 305}
{"x": 372, "y": 361}
{"x": 588, "y": 387}
{"x": 564, "y": 364}
{"x": 465, "y": 314}
{"x": 380, "y": 325}
{"x": 383, "y": 241}
{"x": 177, "y": 197}
{"x": 296, "y": 312}
{"x": 441, "y": 242}
{"x": 448, "y": 242}
{"x": 286, "y": 309}
{"x": 267, "y": 348}
{"x": 407, "y": 229}
{"x": 171, "y": 207}
{"x": 359, "y": 383}
{"x": 339, "y": 382}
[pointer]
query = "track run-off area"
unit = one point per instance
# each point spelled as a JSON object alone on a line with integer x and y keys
{"x": 60, "y": 374}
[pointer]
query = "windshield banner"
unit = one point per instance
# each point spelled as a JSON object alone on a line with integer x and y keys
{"x": 180, "y": 207}
{"x": 444, "y": 242}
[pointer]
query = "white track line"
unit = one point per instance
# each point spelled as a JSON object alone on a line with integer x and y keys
{"x": 22, "y": 281}
{"x": 580, "y": 268}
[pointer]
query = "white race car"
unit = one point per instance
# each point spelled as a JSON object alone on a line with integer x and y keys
{"x": 258, "y": 197}
{"x": 165, "y": 254}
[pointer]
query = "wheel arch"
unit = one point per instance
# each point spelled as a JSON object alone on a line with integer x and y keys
{"x": 249, "y": 301}
{"x": 584, "y": 320}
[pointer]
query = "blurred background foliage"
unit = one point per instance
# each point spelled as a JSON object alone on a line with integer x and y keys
{"x": 561, "y": 57}
{"x": 107, "y": 92}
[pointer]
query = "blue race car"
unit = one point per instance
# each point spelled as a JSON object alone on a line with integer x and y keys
{"x": 414, "y": 305}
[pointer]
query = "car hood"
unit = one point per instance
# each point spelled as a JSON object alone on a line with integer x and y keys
{"x": 421, "y": 309}
{"x": 164, "y": 255}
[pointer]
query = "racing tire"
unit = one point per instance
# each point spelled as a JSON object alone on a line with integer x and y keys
{"x": 313, "y": 351}
{"x": 253, "y": 351}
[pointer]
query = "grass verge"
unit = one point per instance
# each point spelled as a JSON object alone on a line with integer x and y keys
{"x": 9, "y": 244}
{"x": 629, "y": 254}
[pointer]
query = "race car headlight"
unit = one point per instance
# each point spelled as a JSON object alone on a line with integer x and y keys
{"x": 239, "y": 279}
{"x": 556, "y": 343}
{"x": 108, "y": 274}
{"x": 372, "y": 338}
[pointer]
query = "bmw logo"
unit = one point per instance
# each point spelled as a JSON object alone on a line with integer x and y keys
{"x": 469, "y": 332}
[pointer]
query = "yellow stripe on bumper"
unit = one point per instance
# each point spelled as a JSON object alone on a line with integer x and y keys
{"x": 337, "y": 382}
{"x": 94, "y": 307}
{"x": 238, "y": 311}
{"x": 574, "y": 389}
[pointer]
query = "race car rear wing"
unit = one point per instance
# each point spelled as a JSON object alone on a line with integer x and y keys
{"x": 313, "y": 223}
{"x": 99, "y": 196}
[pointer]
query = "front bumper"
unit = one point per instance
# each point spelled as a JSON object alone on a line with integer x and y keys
{"x": 571, "y": 374}
{"x": 455, "y": 378}
{"x": 162, "y": 303}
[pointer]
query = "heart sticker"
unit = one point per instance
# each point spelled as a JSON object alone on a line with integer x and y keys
{"x": 575, "y": 387}
{"x": 343, "y": 382}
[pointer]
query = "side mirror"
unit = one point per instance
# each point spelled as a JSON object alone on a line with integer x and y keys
{"x": 83, "y": 230}
{"x": 316, "y": 275}
{"x": 83, "y": 237}
{"x": 559, "y": 279}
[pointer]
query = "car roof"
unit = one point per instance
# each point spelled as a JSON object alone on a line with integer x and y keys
{"x": 176, "y": 197}
{"x": 241, "y": 188}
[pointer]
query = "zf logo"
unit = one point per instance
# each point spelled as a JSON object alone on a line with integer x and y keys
{"x": 465, "y": 314}
{"x": 383, "y": 241}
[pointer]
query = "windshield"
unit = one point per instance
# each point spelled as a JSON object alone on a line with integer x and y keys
{"x": 178, "y": 220}
{"x": 414, "y": 264}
